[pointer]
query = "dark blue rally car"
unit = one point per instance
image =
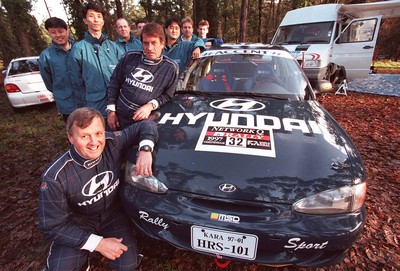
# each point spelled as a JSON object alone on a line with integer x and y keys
{"x": 249, "y": 166}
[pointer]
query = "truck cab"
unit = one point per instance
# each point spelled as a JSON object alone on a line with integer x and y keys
{"x": 334, "y": 41}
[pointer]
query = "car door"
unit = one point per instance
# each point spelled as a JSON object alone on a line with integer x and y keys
{"x": 355, "y": 46}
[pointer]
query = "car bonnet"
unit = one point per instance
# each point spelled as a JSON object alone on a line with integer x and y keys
{"x": 264, "y": 149}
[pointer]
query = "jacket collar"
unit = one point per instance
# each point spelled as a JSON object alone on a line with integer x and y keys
{"x": 147, "y": 61}
{"x": 194, "y": 37}
{"x": 167, "y": 48}
{"x": 121, "y": 40}
{"x": 86, "y": 163}
{"x": 91, "y": 39}
{"x": 58, "y": 47}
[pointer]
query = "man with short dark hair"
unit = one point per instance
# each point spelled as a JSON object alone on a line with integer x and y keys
{"x": 139, "y": 27}
{"x": 79, "y": 208}
{"x": 142, "y": 81}
{"x": 95, "y": 58}
{"x": 55, "y": 66}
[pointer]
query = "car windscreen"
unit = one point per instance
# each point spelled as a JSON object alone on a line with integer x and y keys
{"x": 318, "y": 33}
{"x": 256, "y": 74}
{"x": 24, "y": 66}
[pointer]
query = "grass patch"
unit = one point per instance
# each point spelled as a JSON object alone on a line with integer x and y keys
{"x": 31, "y": 136}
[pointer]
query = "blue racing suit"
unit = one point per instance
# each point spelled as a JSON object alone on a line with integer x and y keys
{"x": 137, "y": 81}
{"x": 94, "y": 62}
{"x": 79, "y": 203}
{"x": 55, "y": 69}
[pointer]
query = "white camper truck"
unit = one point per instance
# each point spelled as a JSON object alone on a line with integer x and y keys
{"x": 334, "y": 42}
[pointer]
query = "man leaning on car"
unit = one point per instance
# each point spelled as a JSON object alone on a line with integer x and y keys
{"x": 54, "y": 64}
{"x": 79, "y": 210}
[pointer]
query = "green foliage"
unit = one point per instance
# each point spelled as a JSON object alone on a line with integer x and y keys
{"x": 223, "y": 15}
{"x": 75, "y": 19}
{"x": 7, "y": 52}
{"x": 20, "y": 33}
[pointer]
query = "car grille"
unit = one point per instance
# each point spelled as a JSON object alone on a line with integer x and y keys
{"x": 253, "y": 209}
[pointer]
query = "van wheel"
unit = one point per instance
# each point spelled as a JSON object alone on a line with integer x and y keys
{"x": 339, "y": 77}
{"x": 332, "y": 73}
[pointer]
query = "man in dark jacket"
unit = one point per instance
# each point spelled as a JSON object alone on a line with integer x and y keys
{"x": 95, "y": 58}
{"x": 126, "y": 40}
{"x": 177, "y": 49}
{"x": 142, "y": 81}
{"x": 79, "y": 208}
{"x": 55, "y": 66}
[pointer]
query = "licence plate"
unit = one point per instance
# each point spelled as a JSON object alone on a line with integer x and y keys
{"x": 232, "y": 244}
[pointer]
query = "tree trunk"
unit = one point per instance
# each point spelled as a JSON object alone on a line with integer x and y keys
{"x": 244, "y": 20}
{"x": 212, "y": 17}
{"x": 260, "y": 16}
{"x": 118, "y": 5}
{"x": 25, "y": 43}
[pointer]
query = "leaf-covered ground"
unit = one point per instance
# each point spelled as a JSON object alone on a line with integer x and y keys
{"x": 33, "y": 138}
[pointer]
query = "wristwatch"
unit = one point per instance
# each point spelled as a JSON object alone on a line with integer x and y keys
{"x": 146, "y": 148}
{"x": 154, "y": 106}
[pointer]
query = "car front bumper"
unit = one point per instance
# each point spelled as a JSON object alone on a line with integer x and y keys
{"x": 260, "y": 233}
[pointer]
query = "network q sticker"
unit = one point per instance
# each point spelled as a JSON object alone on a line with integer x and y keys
{"x": 235, "y": 139}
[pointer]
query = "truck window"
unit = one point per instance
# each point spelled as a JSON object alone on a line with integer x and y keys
{"x": 359, "y": 31}
{"x": 320, "y": 33}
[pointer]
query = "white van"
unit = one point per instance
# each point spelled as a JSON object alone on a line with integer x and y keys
{"x": 334, "y": 41}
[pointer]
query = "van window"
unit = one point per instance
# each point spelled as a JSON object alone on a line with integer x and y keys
{"x": 359, "y": 31}
{"x": 318, "y": 33}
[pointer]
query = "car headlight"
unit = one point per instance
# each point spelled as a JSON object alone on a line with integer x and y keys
{"x": 312, "y": 63}
{"x": 148, "y": 183}
{"x": 342, "y": 200}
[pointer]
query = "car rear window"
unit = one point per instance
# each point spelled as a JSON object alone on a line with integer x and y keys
{"x": 24, "y": 66}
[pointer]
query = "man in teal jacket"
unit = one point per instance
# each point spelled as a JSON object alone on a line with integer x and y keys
{"x": 178, "y": 50}
{"x": 55, "y": 66}
{"x": 126, "y": 40}
{"x": 95, "y": 58}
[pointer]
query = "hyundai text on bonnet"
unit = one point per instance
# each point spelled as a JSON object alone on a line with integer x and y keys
{"x": 249, "y": 166}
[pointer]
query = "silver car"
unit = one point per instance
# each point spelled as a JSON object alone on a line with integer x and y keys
{"x": 24, "y": 85}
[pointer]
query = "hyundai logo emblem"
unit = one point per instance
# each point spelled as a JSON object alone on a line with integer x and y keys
{"x": 227, "y": 187}
{"x": 233, "y": 104}
{"x": 142, "y": 76}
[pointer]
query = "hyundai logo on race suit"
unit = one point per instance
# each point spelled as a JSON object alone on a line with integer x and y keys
{"x": 98, "y": 184}
{"x": 227, "y": 187}
{"x": 142, "y": 76}
{"x": 233, "y": 104}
